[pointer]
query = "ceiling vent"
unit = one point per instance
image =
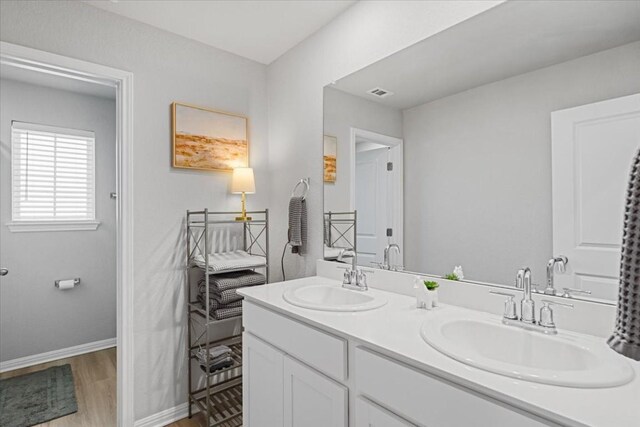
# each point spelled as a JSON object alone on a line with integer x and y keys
{"x": 379, "y": 92}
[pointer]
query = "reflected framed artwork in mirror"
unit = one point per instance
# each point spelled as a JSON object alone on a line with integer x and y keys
{"x": 330, "y": 158}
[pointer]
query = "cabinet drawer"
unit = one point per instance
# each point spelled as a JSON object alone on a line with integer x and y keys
{"x": 323, "y": 351}
{"x": 428, "y": 401}
{"x": 369, "y": 414}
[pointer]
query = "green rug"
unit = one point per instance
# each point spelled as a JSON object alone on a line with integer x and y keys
{"x": 38, "y": 397}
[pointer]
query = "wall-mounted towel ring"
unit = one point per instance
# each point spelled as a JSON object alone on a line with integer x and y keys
{"x": 304, "y": 182}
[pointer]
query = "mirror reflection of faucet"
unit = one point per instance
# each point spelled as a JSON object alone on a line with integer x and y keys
{"x": 557, "y": 263}
{"x": 386, "y": 264}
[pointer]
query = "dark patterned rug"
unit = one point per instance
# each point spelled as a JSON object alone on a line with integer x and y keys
{"x": 38, "y": 397}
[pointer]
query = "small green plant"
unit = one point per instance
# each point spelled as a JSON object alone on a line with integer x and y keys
{"x": 451, "y": 276}
{"x": 432, "y": 286}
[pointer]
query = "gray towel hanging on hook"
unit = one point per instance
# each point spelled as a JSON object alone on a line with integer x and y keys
{"x": 298, "y": 225}
{"x": 626, "y": 336}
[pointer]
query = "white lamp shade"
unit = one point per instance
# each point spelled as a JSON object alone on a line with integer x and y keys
{"x": 242, "y": 181}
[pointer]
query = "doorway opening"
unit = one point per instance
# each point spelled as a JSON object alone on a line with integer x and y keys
{"x": 66, "y": 186}
{"x": 377, "y": 195}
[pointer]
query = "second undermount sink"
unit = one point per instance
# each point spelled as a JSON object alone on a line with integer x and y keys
{"x": 333, "y": 298}
{"x": 567, "y": 359}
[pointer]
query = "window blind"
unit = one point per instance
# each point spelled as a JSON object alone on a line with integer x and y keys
{"x": 53, "y": 173}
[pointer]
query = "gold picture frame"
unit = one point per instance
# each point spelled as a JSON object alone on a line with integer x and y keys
{"x": 207, "y": 139}
{"x": 330, "y": 158}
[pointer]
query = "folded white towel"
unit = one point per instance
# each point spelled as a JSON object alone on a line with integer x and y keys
{"x": 230, "y": 261}
{"x": 333, "y": 252}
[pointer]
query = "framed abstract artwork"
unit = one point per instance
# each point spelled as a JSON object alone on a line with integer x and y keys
{"x": 206, "y": 139}
{"x": 330, "y": 157}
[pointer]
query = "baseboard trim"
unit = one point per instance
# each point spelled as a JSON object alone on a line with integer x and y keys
{"x": 63, "y": 353}
{"x": 162, "y": 418}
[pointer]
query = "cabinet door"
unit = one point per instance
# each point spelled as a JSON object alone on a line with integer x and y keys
{"x": 369, "y": 414}
{"x": 311, "y": 399}
{"x": 262, "y": 388}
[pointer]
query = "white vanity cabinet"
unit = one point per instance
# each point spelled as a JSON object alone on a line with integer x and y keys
{"x": 281, "y": 390}
{"x": 295, "y": 375}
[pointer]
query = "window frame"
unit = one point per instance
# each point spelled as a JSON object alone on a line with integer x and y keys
{"x": 51, "y": 224}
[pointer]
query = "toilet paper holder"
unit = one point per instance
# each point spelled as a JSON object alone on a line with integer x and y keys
{"x": 76, "y": 282}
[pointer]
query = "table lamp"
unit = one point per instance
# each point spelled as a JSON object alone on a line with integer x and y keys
{"x": 242, "y": 182}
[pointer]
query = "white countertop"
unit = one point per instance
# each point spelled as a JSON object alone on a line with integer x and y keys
{"x": 394, "y": 330}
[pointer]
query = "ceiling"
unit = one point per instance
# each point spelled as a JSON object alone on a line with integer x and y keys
{"x": 258, "y": 30}
{"x": 511, "y": 39}
{"x": 39, "y": 78}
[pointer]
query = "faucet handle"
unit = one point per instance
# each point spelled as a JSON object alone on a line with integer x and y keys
{"x": 568, "y": 291}
{"x": 361, "y": 279}
{"x": 510, "y": 311}
{"x": 346, "y": 278}
{"x": 546, "y": 313}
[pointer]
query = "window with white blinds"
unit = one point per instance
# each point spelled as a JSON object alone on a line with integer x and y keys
{"x": 53, "y": 174}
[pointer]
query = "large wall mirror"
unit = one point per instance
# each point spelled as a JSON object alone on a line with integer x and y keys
{"x": 503, "y": 142}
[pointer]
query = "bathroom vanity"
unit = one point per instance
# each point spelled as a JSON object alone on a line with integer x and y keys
{"x": 334, "y": 367}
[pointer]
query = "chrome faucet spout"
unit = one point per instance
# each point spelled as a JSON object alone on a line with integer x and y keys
{"x": 386, "y": 263}
{"x": 561, "y": 264}
{"x": 527, "y": 284}
{"x": 354, "y": 277}
{"x": 527, "y": 305}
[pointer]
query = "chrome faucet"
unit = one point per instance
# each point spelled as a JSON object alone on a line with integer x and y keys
{"x": 527, "y": 319}
{"x": 561, "y": 264}
{"x": 527, "y": 305}
{"x": 386, "y": 263}
{"x": 354, "y": 278}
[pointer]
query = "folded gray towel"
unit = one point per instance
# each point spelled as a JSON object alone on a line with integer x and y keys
{"x": 216, "y": 354}
{"x": 238, "y": 279}
{"x": 227, "y": 297}
{"x": 225, "y": 313}
{"x": 217, "y": 366}
{"x": 298, "y": 225}
{"x": 215, "y": 304}
{"x": 626, "y": 336}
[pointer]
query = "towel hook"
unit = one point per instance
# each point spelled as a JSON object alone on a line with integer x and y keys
{"x": 305, "y": 182}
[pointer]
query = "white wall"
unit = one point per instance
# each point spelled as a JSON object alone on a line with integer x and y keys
{"x": 35, "y": 317}
{"x": 365, "y": 33}
{"x": 478, "y": 167}
{"x": 169, "y": 68}
{"x": 166, "y": 68}
{"x": 343, "y": 111}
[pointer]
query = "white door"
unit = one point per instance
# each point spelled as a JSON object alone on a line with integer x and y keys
{"x": 371, "y": 415}
{"x": 592, "y": 149}
{"x": 262, "y": 392}
{"x": 311, "y": 399}
{"x": 371, "y": 196}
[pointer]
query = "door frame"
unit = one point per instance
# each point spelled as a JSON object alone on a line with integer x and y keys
{"x": 122, "y": 81}
{"x": 397, "y": 187}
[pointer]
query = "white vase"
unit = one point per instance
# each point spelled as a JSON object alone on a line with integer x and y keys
{"x": 434, "y": 298}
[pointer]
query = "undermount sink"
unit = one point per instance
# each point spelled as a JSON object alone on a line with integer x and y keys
{"x": 333, "y": 298}
{"x": 566, "y": 359}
